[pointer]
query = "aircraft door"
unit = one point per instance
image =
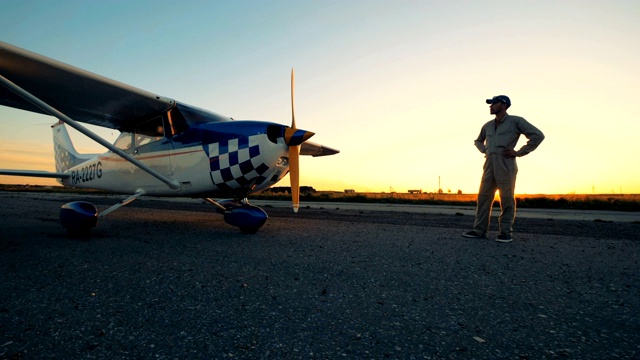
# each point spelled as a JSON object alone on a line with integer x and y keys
{"x": 122, "y": 168}
{"x": 151, "y": 145}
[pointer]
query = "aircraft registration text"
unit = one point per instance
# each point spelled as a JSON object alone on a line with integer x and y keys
{"x": 87, "y": 173}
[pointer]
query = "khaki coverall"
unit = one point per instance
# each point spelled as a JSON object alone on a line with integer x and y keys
{"x": 500, "y": 172}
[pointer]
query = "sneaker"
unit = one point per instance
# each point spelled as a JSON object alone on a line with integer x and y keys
{"x": 504, "y": 238}
{"x": 474, "y": 235}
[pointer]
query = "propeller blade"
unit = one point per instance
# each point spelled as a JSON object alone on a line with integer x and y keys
{"x": 293, "y": 112}
{"x": 294, "y": 176}
{"x": 294, "y": 151}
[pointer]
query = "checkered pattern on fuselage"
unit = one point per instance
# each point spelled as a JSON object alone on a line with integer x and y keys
{"x": 235, "y": 163}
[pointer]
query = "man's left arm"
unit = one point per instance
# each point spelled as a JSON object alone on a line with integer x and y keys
{"x": 532, "y": 133}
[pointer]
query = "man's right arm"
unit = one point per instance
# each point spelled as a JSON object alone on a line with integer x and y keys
{"x": 479, "y": 142}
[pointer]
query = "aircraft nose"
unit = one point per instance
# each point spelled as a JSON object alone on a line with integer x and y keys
{"x": 295, "y": 137}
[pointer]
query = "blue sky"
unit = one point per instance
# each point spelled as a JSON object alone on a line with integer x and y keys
{"x": 397, "y": 86}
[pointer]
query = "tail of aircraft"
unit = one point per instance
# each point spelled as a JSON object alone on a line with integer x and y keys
{"x": 64, "y": 151}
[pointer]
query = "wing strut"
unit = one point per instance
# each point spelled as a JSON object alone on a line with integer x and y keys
{"x": 62, "y": 117}
{"x": 122, "y": 203}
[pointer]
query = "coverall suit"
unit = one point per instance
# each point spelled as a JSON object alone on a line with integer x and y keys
{"x": 499, "y": 172}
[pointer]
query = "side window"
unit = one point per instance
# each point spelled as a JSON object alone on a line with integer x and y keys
{"x": 148, "y": 132}
{"x": 124, "y": 141}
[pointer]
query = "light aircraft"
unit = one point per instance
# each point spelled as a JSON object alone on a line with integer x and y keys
{"x": 165, "y": 148}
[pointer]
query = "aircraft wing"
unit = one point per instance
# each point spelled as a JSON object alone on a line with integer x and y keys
{"x": 313, "y": 149}
{"x": 35, "y": 173}
{"x": 79, "y": 94}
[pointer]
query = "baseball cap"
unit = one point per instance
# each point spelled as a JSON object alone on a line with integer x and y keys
{"x": 500, "y": 98}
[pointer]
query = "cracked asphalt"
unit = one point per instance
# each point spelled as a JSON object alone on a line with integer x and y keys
{"x": 169, "y": 280}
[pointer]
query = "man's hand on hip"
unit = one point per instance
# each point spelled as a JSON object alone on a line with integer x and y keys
{"x": 509, "y": 153}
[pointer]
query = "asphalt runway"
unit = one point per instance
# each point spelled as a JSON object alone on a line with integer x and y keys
{"x": 171, "y": 280}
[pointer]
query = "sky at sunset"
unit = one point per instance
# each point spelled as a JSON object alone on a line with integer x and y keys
{"x": 397, "y": 86}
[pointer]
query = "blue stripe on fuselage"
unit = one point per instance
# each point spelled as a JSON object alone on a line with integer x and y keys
{"x": 221, "y": 133}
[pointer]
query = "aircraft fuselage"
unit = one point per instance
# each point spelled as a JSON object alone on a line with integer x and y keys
{"x": 209, "y": 160}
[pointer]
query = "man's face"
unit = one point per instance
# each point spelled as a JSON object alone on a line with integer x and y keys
{"x": 497, "y": 107}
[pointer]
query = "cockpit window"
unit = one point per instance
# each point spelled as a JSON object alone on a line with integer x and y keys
{"x": 124, "y": 141}
{"x": 148, "y": 132}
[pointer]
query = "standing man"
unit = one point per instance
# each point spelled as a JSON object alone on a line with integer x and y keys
{"x": 497, "y": 141}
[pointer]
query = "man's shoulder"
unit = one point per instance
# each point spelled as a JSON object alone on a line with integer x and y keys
{"x": 515, "y": 118}
{"x": 489, "y": 123}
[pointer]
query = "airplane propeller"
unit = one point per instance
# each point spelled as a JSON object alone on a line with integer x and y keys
{"x": 293, "y": 137}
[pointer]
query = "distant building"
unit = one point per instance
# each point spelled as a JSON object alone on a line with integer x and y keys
{"x": 415, "y": 191}
{"x": 349, "y": 191}
{"x": 287, "y": 190}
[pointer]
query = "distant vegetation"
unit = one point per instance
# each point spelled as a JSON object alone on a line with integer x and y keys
{"x": 616, "y": 202}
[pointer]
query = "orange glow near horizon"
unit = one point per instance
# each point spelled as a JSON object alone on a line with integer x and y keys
{"x": 321, "y": 174}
